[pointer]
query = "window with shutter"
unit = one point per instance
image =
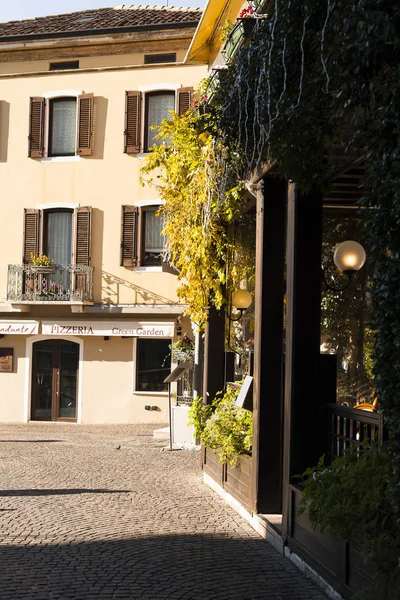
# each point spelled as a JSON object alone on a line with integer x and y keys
{"x": 129, "y": 236}
{"x": 85, "y": 119}
{"x": 36, "y": 127}
{"x": 31, "y": 234}
{"x": 68, "y": 122}
{"x": 185, "y": 97}
{"x": 83, "y": 235}
{"x": 132, "y": 122}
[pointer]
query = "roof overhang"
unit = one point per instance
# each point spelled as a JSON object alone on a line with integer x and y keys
{"x": 207, "y": 33}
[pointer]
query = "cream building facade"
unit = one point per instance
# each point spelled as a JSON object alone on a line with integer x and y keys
{"x": 85, "y": 339}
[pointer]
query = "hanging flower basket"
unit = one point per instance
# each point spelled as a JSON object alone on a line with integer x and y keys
{"x": 240, "y": 33}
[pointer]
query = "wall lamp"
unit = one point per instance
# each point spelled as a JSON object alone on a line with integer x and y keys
{"x": 241, "y": 300}
{"x": 349, "y": 257}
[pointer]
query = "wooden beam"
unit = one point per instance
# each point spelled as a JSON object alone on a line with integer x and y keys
{"x": 303, "y": 443}
{"x": 214, "y": 355}
{"x": 268, "y": 358}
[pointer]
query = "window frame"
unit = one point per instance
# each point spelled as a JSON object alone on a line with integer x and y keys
{"x": 67, "y": 65}
{"x": 58, "y": 95}
{"x": 49, "y": 125}
{"x": 148, "y": 95}
{"x": 43, "y": 241}
{"x": 135, "y": 361}
{"x": 142, "y": 236}
{"x": 151, "y": 59}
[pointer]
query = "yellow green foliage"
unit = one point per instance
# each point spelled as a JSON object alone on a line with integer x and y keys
{"x": 223, "y": 427}
{"x": 191, "y": 177}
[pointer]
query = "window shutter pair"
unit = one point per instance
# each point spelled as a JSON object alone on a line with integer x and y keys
{"x": 37, "y": 126}
{"x": 32, "y": 235}
{"x": 134, "y": 112}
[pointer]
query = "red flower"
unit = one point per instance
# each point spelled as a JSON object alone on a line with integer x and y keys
{"x": 246, "y": 12}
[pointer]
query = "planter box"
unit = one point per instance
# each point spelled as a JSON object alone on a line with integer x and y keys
{"x": 240, "y": 33}
{"x": 43, "y": 270}
{"x": 238, "y": 481}
{"x": 235, "y": 481}
{"x": 179, "y": 355}
{"x": 212, "y": 466}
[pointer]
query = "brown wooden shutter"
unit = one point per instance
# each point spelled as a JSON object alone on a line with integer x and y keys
{"x": 83, "y": 234}
{"x": 36, "y": 128}
{"x": 31, "y": 234}
{"x": 129, "y": 224}
{"x": 133, "y": 122}
{"x": 185, "y": 96}
{"x": 85, "y": 123}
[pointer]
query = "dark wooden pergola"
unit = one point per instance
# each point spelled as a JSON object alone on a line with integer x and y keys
{"x": 295, "y": 417}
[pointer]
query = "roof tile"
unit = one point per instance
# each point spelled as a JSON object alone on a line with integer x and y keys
{"x": 126, "y": 15}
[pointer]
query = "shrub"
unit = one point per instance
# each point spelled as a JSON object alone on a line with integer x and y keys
{"x": 353, "y": 500}
{"x": 222, "y": 426}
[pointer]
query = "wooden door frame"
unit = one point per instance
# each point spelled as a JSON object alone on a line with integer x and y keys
{"x": 55, "y": 405}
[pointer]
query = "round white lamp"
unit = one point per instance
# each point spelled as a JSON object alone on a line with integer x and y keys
{"x": 241, "y": 299}
{"x": 349, "y": 256}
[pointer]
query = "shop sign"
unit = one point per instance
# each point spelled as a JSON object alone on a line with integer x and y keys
{"x": 6, "y": 360}
{"x": 109, "y": 328}
{"x": 19, "y": 328}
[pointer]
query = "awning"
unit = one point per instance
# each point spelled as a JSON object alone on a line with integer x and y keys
{"x": 109, "y": 328}
{"x": 19, "y": 327}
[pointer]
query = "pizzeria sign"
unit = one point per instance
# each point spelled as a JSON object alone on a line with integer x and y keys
{"x": 109, "y": 328}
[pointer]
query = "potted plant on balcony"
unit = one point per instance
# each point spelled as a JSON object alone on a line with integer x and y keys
{"x": 42, "y": 264}
{"x": 241, "y": 31}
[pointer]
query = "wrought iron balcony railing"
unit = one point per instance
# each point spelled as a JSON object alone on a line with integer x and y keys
{"x": 58, "y": 283}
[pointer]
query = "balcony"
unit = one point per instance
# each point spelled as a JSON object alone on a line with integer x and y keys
{"x": 58, "y": 284}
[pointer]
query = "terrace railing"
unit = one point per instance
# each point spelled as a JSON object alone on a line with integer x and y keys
{"x": 29, "y": 284}
{"x": 350, "y": 426}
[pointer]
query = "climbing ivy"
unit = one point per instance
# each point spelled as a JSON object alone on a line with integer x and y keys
{"x": 315, "y": 75}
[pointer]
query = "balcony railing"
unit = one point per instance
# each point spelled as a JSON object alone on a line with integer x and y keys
{"x": 58, "y": 283}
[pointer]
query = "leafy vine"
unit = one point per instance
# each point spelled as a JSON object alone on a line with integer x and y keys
{"x": 202, "y": 198}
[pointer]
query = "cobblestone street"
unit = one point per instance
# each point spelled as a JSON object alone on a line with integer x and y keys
{"x": 91, "y": 512}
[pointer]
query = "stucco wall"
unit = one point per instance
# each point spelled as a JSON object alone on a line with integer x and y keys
{"x": 106, "y": 180}
{"x": 108, "y": 395}
{"x": 12, "y": 384}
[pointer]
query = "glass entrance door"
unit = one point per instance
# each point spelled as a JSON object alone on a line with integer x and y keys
{"x": 55, "y": 381}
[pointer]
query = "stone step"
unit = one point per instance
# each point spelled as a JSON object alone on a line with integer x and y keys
{"x": 161, "y": 434}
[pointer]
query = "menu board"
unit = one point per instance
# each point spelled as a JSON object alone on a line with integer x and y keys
{"x": 6, "y": 360}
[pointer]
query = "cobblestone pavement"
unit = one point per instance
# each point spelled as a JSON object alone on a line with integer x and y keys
{"x": 81, "y": 518}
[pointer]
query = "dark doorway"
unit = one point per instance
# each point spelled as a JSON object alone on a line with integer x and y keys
{"x": 55, "y": 381}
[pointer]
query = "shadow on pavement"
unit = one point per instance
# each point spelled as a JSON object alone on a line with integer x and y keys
{"x": 201, "y": 567}
{"x": 59, "y": 492}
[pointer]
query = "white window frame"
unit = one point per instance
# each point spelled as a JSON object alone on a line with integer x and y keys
{"x": 52, "y": 95}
